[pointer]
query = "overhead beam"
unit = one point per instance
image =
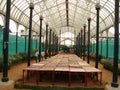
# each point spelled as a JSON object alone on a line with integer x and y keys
{"x": 103, "y": 37}
{"x": 31, "y": 35}
{"x": 67, "y": 18}
{"x": 67, "y": 39}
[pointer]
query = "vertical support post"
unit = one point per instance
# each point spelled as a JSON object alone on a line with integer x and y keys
{"x": 32, "y": 42}
{"x": 81, "y": 44}
{"x": 84, "y": 47}
{"x": 36, "y": 43}
{"x": 77, "y": 45}
{"x": 53, "y": 44}
{"x": 57, "y": 45}
{"x": 40, "y": 35}
{"x": 43, "y": 43}
{"x": 107, "y": 45}
{"x": 88, "y": 53}
{"x": 94, "y": 47}
{"x": 25, "y": 41}
{"x": 5, "y": 44}
{"x": 60, "y": 40}
{"x": 101, "y": 45}
{"x": 50, "y": 43}
{"x": 17, "y": 41}
{"x": 74, "y": 41}
{"x": 116, "y": 46}
{"x": 46, "y": 42}
{"x": 97, "y": 35}
{"x": 30, "y": 28}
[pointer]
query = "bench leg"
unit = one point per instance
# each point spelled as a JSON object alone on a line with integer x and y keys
{"x": 69, "y": 78}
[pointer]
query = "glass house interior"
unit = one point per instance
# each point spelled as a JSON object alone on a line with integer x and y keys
{"x": 69, "y": 21}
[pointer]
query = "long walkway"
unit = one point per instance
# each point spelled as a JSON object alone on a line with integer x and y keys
{"x": 15, "y": 72}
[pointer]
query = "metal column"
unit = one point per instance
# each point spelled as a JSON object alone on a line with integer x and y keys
{"x": 25, "y": 41}
{"x": 84, "y": 47}
{"x": 6, "y": 42}
{"x": 81, "y": 44}
{"x": 88, "y": 53}
{"x": 116, "y": 46}
{"x": 17, "y": 41}
{"x": 40, "y": 35}
{"x": 53, "y": 43}
{"x": 97, "y": 35}
{"x": 30, "y": 28}
{"x": 50, "y": 42}
{"x": 46, "y": 42}
{"x": 107, "y": 45}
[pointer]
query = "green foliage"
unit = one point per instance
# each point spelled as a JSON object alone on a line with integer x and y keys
{"x": 20, "y": 86}
{"x": 65, "y": 48}
{"x": 100, "y": 57}
{"x": 93, "y": 56}
{"x": 109, "y": 66}
{"x": 14, "y": 59}
{"x": 23, "y": 56}
{"x": 18, "y": 58}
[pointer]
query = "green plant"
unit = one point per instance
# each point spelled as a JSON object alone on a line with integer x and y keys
{"x": 23, "y": 55}
{"x": 100, "y": 57}
{"x": 18, "y": 58}
{"x": 14, "y": 59}
{"x": 93, "y": 56}
{"x": 107, "y": 65}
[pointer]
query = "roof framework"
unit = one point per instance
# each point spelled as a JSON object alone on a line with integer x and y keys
{"x": 62, "y": 13}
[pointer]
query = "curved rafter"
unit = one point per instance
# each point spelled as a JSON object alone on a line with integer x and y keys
{"x": 62, "y": 13}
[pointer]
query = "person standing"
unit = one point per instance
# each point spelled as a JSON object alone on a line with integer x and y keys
{"x": 36, "y": 55}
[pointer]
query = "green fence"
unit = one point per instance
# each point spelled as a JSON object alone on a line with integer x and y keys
{"x": 21, "y": 44}
{"x": 35, "y": 45}
{"x": 103, "y": 50}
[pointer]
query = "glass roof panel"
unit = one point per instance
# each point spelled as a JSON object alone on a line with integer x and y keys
{"x": 21, "y": 4}
{"x": 1, "y": 1}
{"x": 60, "y": 1}
{"x": 109, "y": 6}
{"x": 3, "y": 5}
{"x": 61, "y": 7}
{"x": 54, "y": 12}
